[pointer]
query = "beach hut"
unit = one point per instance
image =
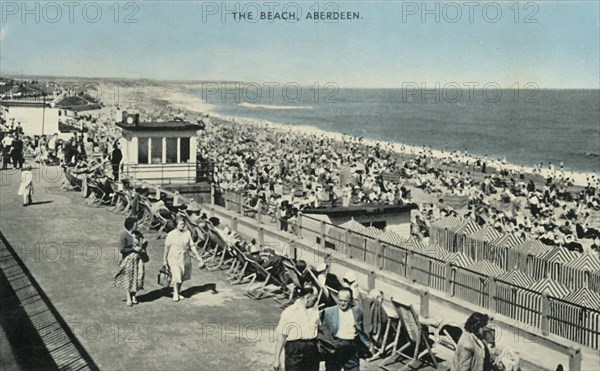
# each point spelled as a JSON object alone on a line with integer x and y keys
{"x": 392, "y": 238}
{"x": 577, "y": 273}
{"x": 459, "y": 259}
{"x": 472, "y": 284}
{"x": 500, "y": 247}
{"x": 511, "y": 295}
{"x": 456, "y": 235}
{"x": 487, "y": 268}
{"x": 595, "y": 281}
{"x": 552, "y": 262}
{"x": 357, "y": 243}
{"x": 476, "y": 245}
{"x": 527, "y": 256}
{"x": 438, "y": 231}
{"x": 414, "y": 244}
{"x": 577, "y": 317}
{"x": 554, "y": 288}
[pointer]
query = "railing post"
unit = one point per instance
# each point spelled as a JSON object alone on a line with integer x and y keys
{"x": 322, "y": 237}
{"x": 211, "y": 212}
{"x": 448, "y": 278}
{"x": 227, "y": 203}
{"x": 348, "y": 242}
{"x": 424, "y": 301}
{"x": 213, "y": 191}
{"x": 379, "y": 258}
{"x": 492, "y": 292}
{"x": 176, "y": 198}
{"x": 409, "y": 268}
{"x": 234, "y": 224}
{"x": 292, "y": 249}
{"x": 575, "y": 357}
{"x": 371, "y": 280}
{"x": 157, "y": 193}
{"x": 545, "y": 320}
{"x": 261, "y": 236}
{"x": 299, "y": 224}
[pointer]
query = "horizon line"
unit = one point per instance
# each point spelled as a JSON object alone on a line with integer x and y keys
{"x": 199, "y": 81}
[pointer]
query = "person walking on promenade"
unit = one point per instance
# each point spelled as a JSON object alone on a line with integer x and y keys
{"x": 297, "y": 333}
{"x": 472, "y": 353}
{"x": 26, "y": 186}
{"x": 115, "y": 159}
{"x": 130, "y": 275}
{"x": 345, "y": 323}
{"x": 177, "y": 257}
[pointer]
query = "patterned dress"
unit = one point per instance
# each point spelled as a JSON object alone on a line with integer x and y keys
{"x": 130, "y": 275}
{"x": 178, "y": 257}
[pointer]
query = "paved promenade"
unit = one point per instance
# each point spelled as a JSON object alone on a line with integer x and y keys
{"x": 70, "y": 250}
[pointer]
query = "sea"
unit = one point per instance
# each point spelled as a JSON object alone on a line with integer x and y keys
{"x": 525, "y": 126}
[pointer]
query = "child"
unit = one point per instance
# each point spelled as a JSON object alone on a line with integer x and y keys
{"x": 26, "y": 187}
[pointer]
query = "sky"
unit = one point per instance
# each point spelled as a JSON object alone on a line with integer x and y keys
{"x": 553, "y": 44}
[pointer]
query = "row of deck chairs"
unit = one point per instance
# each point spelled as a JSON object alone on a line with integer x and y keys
{"x": 404, "y": 336}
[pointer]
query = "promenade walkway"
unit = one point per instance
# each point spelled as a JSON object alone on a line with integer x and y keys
{"x": 69, "y": 250}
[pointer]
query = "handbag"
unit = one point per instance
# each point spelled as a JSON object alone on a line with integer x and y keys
{"x": 144, "y": 256}
{"x": 164, "y": 276}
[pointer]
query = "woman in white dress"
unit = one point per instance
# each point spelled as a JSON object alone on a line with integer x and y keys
{"x": 177, "y": 256}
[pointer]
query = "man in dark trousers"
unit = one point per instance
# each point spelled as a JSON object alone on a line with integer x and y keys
{"x": 115, "y": 159}
{"x": 17, "y": 152}
{"x": 345, "y": 323}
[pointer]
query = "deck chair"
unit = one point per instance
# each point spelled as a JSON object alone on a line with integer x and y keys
{"x": 219, "y": 258}
{"x": 97, "y": 196}
{"x": 70, "y": 182}
{"x": 416, "y": 337}
{"x": 294, "y": 275}
{"x": 261, "y": 291}
{"x": 240, "y": 272}
{"x": 385, "y": 342}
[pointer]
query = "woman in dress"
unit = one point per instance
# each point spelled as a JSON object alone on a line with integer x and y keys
{"x": 472, "y": 353}
{"x": 130, "y": 275}
{"x": 177, "y": 256}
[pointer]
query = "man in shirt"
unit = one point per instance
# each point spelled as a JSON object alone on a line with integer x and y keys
{"x": 297, "y": 333}
{"x": 345, "y": 323}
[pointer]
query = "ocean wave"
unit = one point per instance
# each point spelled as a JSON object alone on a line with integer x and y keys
{"x": 268, "y": 106}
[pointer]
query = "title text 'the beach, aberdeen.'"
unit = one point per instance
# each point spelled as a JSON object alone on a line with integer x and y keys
{"x": 293, "y": 16}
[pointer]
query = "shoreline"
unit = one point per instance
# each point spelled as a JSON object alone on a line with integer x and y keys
{"x": 179, "y": 96}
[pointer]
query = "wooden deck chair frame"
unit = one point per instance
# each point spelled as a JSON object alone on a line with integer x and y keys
{"x": 240, "y": 273}
{"x": 215, "y": 261}
{"x": 261, "y": 292}
{"x": 294, "y": 274}
{"x": 409, "y": 321}
{"x": 97, "y": 194}
{"x": 387, "y": 343}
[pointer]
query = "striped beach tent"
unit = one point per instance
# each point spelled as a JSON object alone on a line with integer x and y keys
{"x": 414, "y": 244}
{"x": 438, "y": 231}
{"x": 477, "y": 244}
{"x": 584, "y": 297}
{"x": 392, "y": 238}
{"x": 372, "y": 232}
{"x": 499, "y": 249}
{"x": 526, "y": 257}
{"x": 552, "y": 263}
{"x": 517, "y": 278}
{"x": 352, "y": 225}
{"x": 554, "y": 288}
{"x": 487, "y": 268}
{"x": 577, "y": 273}
{"x": 437, "y": 252}
{"x": 595, "y": 281}
{"x": 457, "y": 234}
{"x": 514, "y": 300}
{"x": 460, "y": 260}
{"x": 577, "y": 317}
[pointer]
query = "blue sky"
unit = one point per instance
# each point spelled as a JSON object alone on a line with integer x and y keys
{"x": 390, "y": 45}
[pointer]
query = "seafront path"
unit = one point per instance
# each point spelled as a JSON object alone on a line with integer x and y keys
{"x": 58, "y": 257}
